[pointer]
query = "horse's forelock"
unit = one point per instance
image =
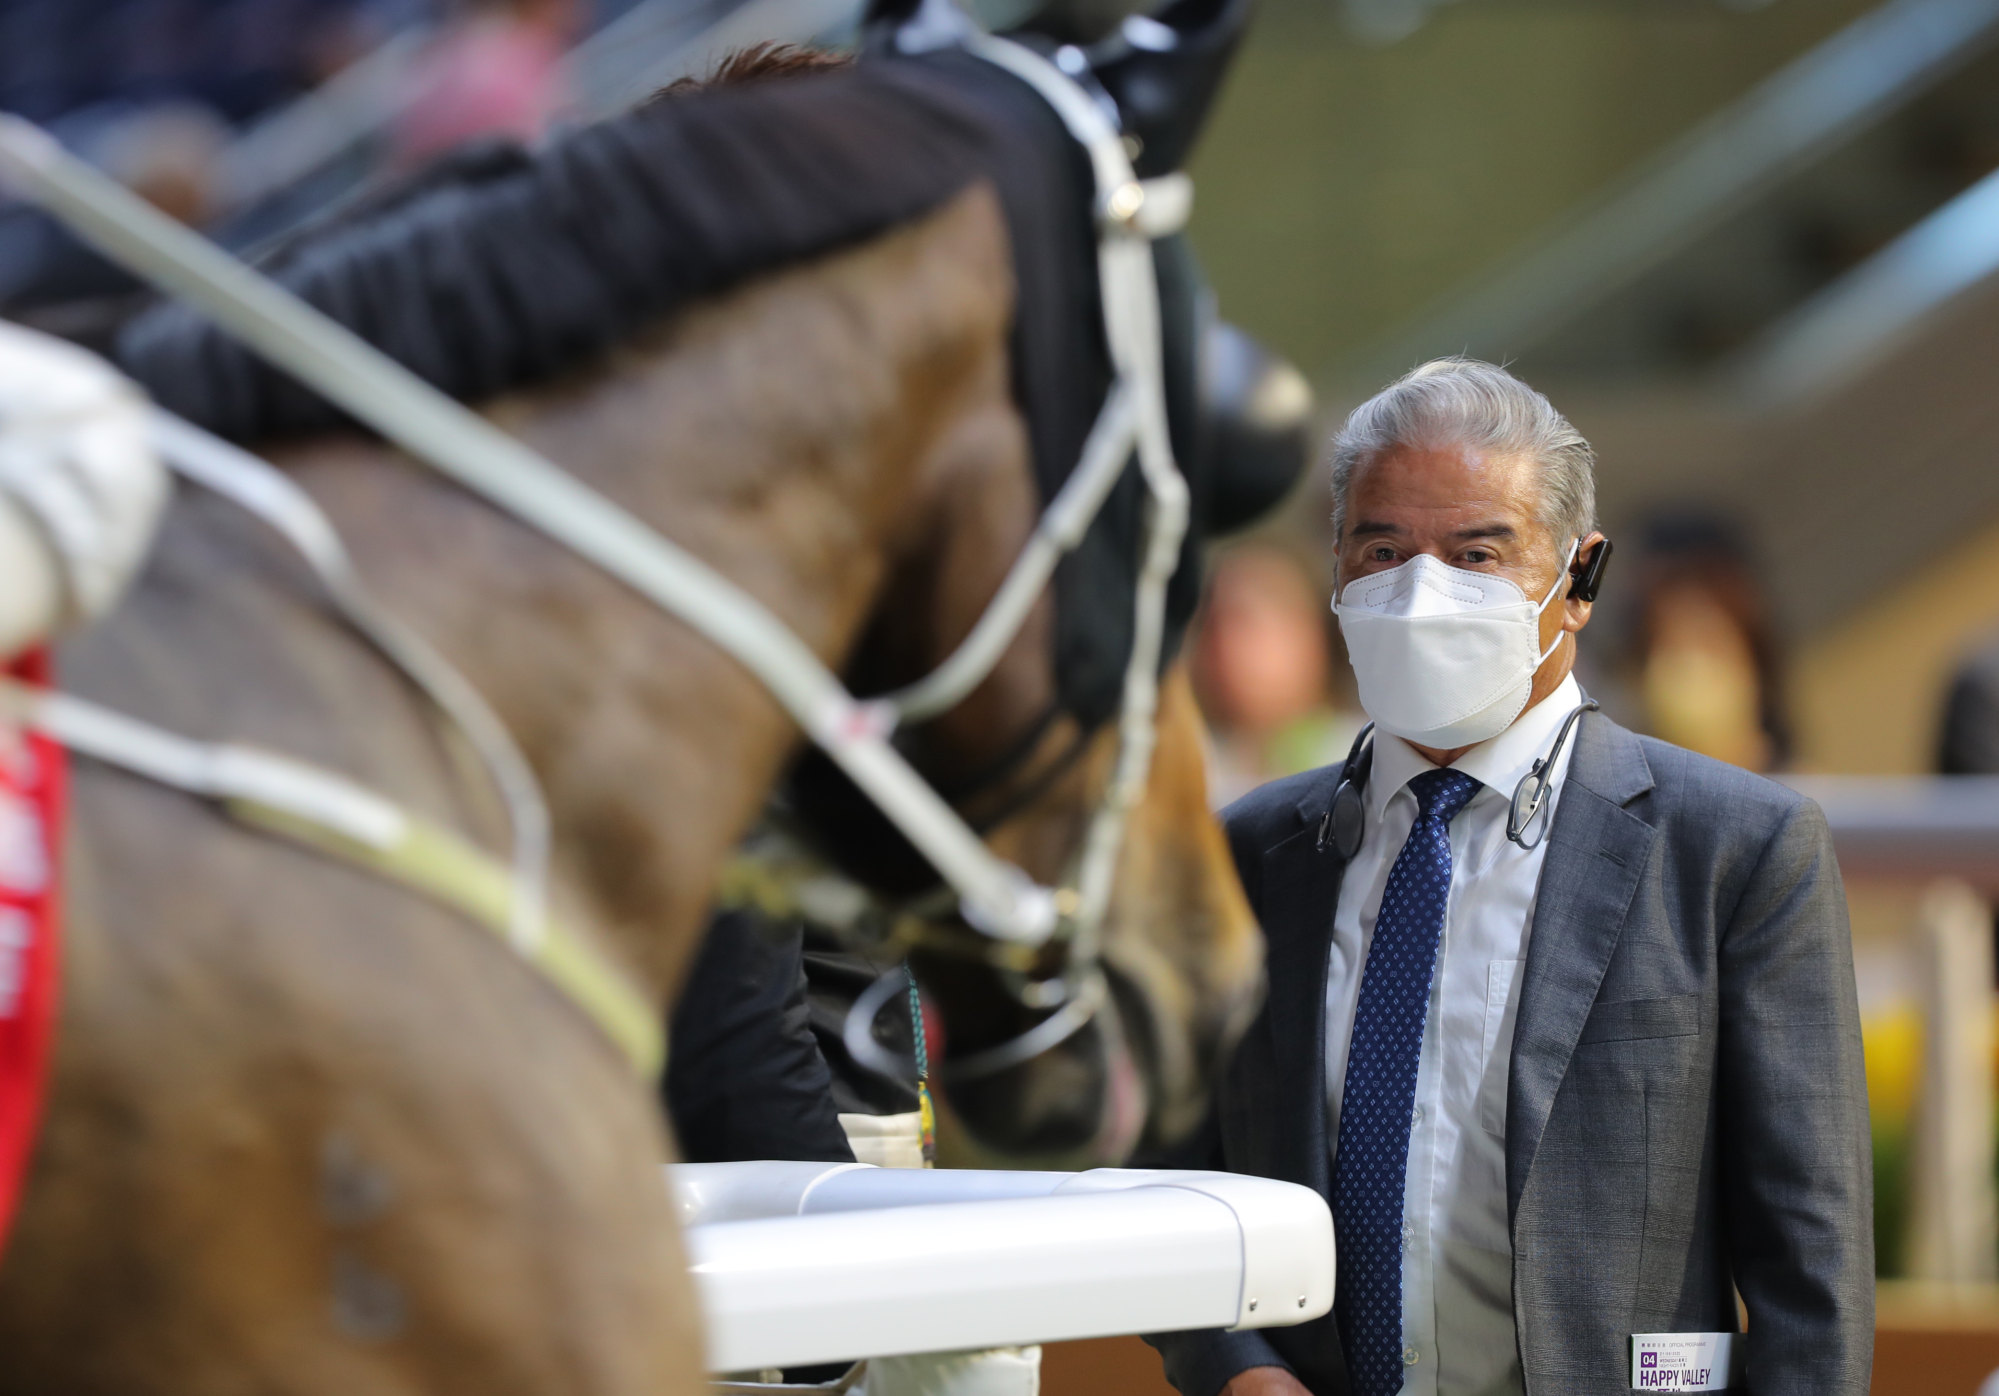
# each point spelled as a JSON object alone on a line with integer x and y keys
{"x": 758, "y": 63}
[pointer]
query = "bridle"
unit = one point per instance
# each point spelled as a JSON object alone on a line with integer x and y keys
{"x": 780, "y": 875}
{"x": 1014, "y": 917}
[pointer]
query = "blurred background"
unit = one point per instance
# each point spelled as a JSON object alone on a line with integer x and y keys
{"x": 1751, "y": 247}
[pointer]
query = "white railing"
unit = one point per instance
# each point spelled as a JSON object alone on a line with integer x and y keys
{"x": 1941, "y": 833}
{"x": 1912, "y": 827}
{"x": 800, "y": 1263}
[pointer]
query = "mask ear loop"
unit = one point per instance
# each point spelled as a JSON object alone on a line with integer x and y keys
{"x": 1561, "y": 575}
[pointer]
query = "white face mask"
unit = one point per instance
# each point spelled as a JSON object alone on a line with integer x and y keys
{"x": 1444, "y": 657}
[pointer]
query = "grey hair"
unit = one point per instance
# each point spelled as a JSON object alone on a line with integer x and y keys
{"x": 1459, "y": 401}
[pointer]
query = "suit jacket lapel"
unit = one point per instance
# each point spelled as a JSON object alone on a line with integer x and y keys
{"x": 1301, "y": 892}
{"x": 1597, "y": 851}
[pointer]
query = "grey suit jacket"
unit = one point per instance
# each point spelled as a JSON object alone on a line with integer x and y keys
{"x": 1686, "y": 1110}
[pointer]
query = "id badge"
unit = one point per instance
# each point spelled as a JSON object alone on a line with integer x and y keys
{"x": 1684, "y": 1361}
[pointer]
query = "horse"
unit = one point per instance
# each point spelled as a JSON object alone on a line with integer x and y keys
{"x": 307, "y": 1131}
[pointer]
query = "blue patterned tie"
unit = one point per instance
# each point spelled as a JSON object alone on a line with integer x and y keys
{"x": 1380, "y": 1093}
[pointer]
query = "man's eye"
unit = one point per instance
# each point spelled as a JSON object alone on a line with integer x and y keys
{"x": 1477, "y": 556}
{"x": 1381, "y": 554}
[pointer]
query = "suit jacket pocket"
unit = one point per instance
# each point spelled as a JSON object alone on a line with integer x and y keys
{"x": 1634, "y": 1019}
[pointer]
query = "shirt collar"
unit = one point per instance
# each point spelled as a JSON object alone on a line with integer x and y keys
{"x": 1498, "y": 763}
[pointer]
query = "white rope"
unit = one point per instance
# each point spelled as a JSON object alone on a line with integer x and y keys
{"x": 1061, "y": 528}
{"x": 216, "y": 771}
{"x": 259, "y": 488}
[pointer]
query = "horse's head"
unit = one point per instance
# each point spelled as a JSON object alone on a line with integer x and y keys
{"x": 1180, "y": 952}
{"x": 1027, "y": 758}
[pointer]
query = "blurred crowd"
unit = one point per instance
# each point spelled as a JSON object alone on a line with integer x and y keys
{"x": 187, "y": 102}
{"x": 81, "y": 61}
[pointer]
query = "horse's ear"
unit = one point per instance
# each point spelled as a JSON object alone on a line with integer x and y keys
{"x": 1082, "y": 21}
{"x": 889, "y": 15}
{"x": 1259, "y": 428}
{"x": 1165, "y": 73}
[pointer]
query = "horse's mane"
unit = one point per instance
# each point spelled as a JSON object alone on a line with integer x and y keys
{"x": 497, "y": 268}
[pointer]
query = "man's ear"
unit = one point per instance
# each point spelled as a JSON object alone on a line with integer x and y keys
{"x": 1586, "y": 578}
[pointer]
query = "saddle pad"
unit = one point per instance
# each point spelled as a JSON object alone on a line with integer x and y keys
{"x": 32, "y": 778}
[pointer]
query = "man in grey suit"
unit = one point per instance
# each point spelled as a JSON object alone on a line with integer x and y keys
{"x": 1561, "y": 1019}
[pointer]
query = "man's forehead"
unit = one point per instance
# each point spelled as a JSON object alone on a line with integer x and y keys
{"x": 1444, "y": 464}
{"x": 1458, "y": 490}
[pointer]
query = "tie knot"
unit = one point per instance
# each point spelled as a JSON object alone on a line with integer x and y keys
{"x": 1441, "y": 793}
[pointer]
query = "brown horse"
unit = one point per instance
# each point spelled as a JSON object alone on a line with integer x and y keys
{"x": 308, "y": 1132}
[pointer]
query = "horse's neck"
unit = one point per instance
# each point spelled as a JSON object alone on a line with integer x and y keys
{"x": 798, "y": 436}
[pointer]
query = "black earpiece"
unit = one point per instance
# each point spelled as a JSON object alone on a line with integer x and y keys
{"x": 1588, "y": 573}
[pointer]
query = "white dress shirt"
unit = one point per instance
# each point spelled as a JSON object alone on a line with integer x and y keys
{"x": 1457, "y": 1256}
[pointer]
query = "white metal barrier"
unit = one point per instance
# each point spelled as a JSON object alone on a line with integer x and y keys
{"x": 1941, "y": 832}
{"x": 803, "y": 1263}
{"x": 1914, "y": 827}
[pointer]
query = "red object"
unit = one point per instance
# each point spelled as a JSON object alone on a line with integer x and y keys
{"x": 488, "y": 76}
{"x": 32, "y": 793}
